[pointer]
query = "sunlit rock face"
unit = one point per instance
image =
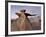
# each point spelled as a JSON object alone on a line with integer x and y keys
{"x": 22, "y": 23}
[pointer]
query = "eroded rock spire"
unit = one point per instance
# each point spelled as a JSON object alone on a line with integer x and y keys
{"x": 22, "y": 23}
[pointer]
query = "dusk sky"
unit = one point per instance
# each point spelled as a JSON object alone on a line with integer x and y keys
{"x": 29, "y": 9}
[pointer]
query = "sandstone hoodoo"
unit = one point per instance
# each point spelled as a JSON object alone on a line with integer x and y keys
{"x": 22, "y": 22}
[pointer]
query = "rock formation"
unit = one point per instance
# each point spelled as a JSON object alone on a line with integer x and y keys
{"x": 22, "y": 22}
